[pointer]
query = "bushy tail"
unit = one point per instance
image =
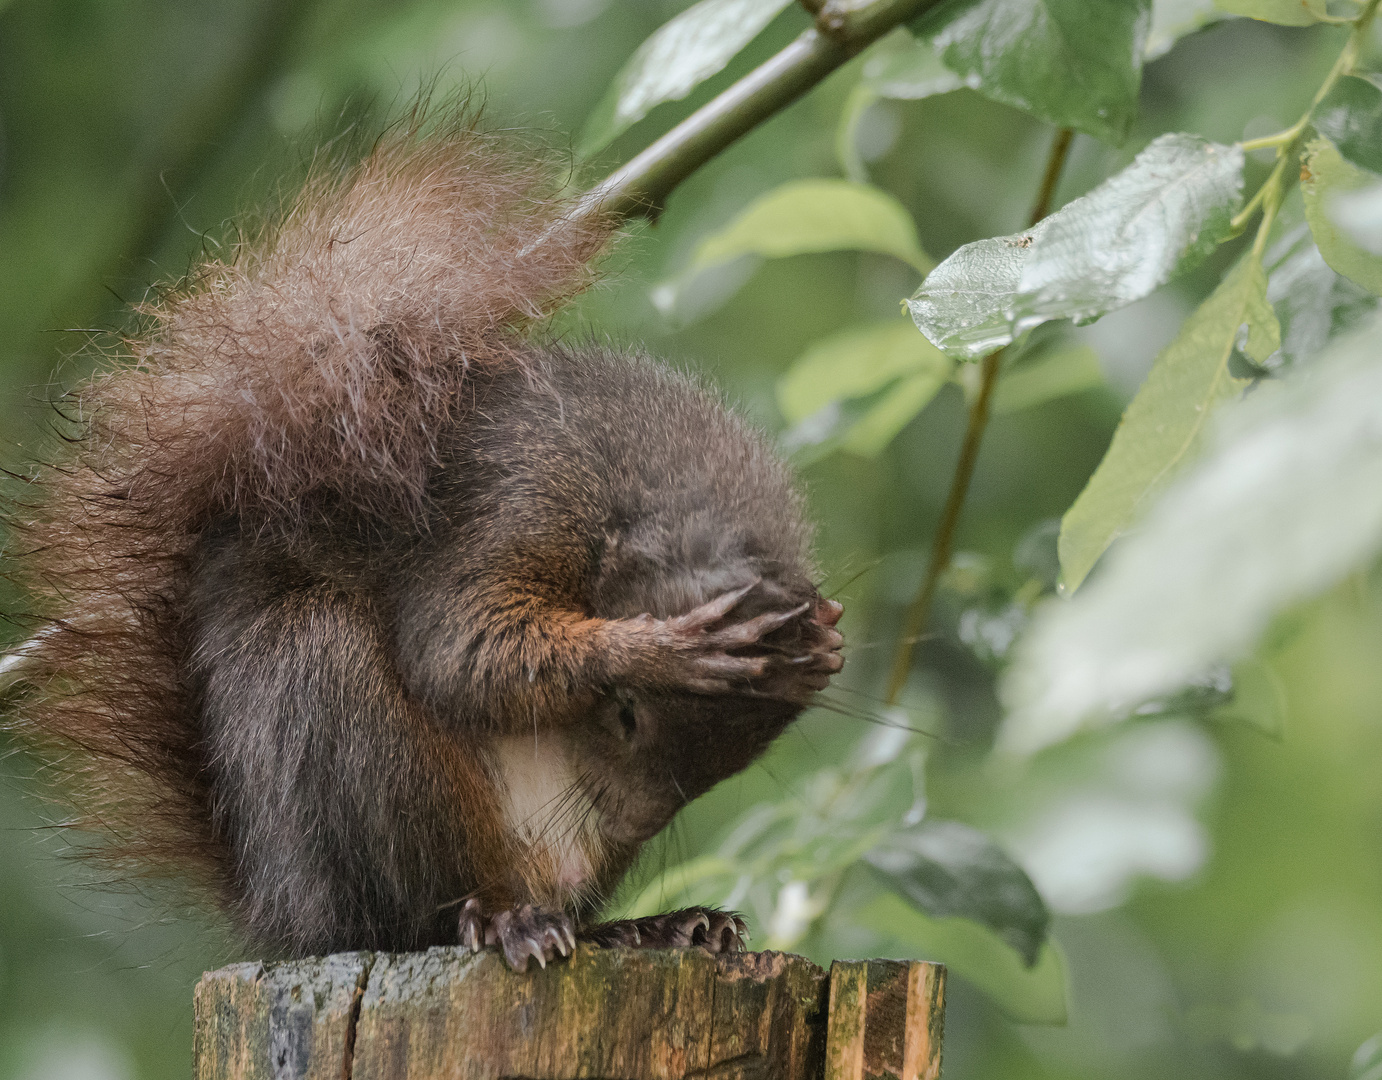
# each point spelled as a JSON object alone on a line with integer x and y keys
{"x": 319, "y": 360}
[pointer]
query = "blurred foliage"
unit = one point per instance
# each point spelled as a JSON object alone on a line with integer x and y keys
{"x": 1214, "y": 862}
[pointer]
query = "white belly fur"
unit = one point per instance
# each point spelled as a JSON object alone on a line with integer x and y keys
{"x": 539, "y": 806}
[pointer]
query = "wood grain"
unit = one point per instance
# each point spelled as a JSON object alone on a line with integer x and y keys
{"x": 604, "y": 1014}
{"x": 885, "y": 1021}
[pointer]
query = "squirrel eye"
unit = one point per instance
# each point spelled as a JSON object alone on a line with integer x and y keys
{"x": 628, "y": 719}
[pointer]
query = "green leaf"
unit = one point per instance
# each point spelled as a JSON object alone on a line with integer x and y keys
{"x": 677, "y": 58}
{"x": 1351, "y": 115}
{"x": 869, "y": 435}
{"x": 854, "y": 365}
{"x": 902, "y": 67}
{"x": 1313, "y": 303}
{"x": 1157, "y": 218}
{"x": 838, "y": 816}
{"x": 1325, "y": 176}
{"x": 1055, "y": 374}
{"x": 947, "y": 868}
{"x": 1163, "y": 426}
{"x": 1075, "y": 63}
{"x": 1283, "y": 505}
{"x": 1028, "y": 995}
{"x": 1285, "y": 12}
{"x": 1175, "y": 19}
{"x": 860, "y": 100}
{"x": 1367, "y": 1060}
{"x": 806, "y": 216}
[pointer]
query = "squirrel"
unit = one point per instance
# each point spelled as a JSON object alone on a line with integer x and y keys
{"x": 384, "y": 616}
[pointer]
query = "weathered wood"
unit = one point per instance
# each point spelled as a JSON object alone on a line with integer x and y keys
{"x": 285, "y": 1021}
{"x": 606, "y": 1014}
{"x": 886, "y": 1020}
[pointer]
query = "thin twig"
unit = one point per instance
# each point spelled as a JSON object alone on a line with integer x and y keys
{"x": 944, "y": 545}
{"x": 639, "y": 188}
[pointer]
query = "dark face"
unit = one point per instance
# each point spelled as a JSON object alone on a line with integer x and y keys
{"x": 651, "y": 753}
{"x": 648, "y": 752}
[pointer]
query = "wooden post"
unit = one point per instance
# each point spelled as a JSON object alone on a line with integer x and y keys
{"x": 604, "y": 1014}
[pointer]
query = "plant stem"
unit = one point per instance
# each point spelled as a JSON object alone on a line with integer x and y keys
{"x": 1271, "y": 203}
{"x": 1287, "y": 142}
{"x": 944, "y": 545}
{"x": 639, "y": 188}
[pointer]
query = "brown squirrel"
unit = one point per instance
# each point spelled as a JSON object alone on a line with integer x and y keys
{"x": 391, "y": 623}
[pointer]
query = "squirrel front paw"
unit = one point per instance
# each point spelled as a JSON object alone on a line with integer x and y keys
{"x": 707, "y": 928}
{"x": 689, "y": 652}
{"x": 800, "y": 672}
{"x": 520, "y": 932}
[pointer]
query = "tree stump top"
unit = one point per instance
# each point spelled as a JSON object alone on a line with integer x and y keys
{"x": 604, "y": 1014}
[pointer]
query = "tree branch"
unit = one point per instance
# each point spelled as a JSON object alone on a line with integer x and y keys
{"x": 639, "y": 188}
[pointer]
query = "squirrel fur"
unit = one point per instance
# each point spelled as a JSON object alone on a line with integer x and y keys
{"x": 387, "y": 620}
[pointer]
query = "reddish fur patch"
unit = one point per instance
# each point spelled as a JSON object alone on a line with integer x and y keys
{"x": 322, "y": 357}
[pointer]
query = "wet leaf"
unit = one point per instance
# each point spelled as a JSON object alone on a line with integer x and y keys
{"x": 1352, "y": 118}
{"x": 1163, "y": 425}
{"x": 1075, "y": 63}
{"x": 1057, "y": 373}
{"x": 1282, "y": 506}
{"x": 1200, "y": 696}
{"x": 947, "y": 868}
{"x": 1285, "y": 12}
{"x": 1028, "y": 995}
{"x": 891, "y": 358}
{"x": 677, "y": 58}
{"x": 1325, "y": 176}
{"x": 1157, "y": 218}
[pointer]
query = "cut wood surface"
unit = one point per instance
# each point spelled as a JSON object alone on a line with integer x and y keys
{"x": 605, "y": 1014}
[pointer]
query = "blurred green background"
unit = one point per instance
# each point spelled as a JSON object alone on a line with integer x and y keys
{"x": 1218, "y": 891}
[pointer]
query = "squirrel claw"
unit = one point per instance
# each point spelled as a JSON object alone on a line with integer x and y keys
{"x": 520, "y": 932}
{"x": 797, "y": 677}
{"x": 472, "y": 926}
{"x": 827, "y": 612}
{"x": 706, "y": 928}
{"x": 714, "y": 610}
{"x": 751, "y": 631}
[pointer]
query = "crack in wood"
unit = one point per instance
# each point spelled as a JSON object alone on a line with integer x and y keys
{"x": 353, "y": 1020}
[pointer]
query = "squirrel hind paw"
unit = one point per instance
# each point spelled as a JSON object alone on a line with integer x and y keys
{"x": 523, "y": 932}
{"x": 706, "y": 928}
